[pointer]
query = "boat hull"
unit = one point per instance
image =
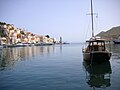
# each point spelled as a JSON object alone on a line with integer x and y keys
{"x": 116, "y": 42}
{"x": 97, "y": 56}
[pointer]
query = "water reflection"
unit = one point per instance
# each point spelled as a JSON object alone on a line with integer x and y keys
{"x": 8, "y": 56}
{"x": 98, "y": 75}
{"x": 61, "y": 48}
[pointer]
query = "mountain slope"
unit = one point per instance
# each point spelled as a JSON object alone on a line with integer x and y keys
{"x": 111, "y": 34}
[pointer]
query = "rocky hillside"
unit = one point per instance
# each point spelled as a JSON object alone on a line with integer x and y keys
{"x": 111, "y": 34}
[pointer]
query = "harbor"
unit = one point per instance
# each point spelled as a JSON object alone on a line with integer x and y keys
{"x": 58, "y": 67}
{"x": 59, "y": 45}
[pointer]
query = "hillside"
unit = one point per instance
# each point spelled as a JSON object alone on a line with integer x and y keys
{"x": 111, "y": 34}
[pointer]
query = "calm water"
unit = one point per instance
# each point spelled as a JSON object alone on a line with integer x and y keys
{"x": 56, "y": 68}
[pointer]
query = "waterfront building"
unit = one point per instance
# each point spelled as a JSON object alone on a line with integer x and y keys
{"x": 12, "y": 35}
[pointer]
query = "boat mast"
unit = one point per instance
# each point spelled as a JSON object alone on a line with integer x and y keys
{"x": 92, "y": 18}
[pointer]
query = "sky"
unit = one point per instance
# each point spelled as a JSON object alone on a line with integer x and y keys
{"x": 69, "y": 19}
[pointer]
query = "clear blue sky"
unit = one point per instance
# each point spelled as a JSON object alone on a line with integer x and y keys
{"x": 66, "y": 18}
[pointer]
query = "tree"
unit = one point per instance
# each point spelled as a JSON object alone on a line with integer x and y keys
{"x": 47, "y": 36}
{"x": 22, "y": 32}
{"x": 2, "y": 23}
{"x": 2, "y": 34}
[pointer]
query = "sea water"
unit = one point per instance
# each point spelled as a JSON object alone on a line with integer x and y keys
{"x": 56, "y": 67}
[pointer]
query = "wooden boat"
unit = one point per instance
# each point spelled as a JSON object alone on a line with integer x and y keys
{"x": 96, "y": 48}
{"x": 96, "y": 51}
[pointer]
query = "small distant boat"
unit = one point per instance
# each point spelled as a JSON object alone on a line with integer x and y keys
{"x": 9, "y": 46}
{"x": 43, "y": 44}
{"x": 117, "y": 41}
{"x": 96, "y": 48}
{"x": 65, "y": 43}
{"x": 17, "y": 45}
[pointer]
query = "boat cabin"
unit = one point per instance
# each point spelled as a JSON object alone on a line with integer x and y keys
{"x": 96, "y": 45}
